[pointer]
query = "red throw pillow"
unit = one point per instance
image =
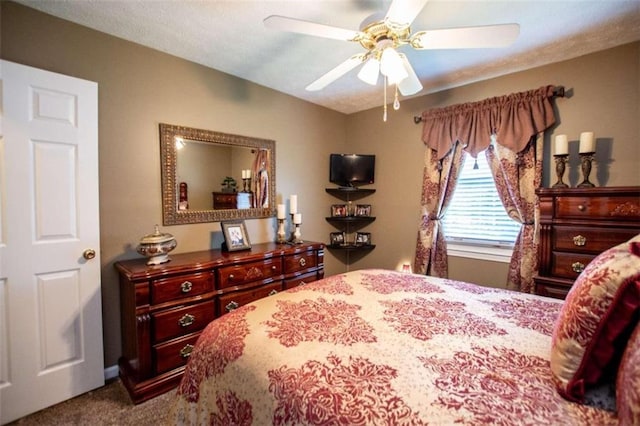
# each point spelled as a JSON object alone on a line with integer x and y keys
{"x": 628, "y": 383}
{"x": 597, "y": 316}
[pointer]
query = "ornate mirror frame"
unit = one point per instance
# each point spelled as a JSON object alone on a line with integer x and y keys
{"x": 168, "y": 162}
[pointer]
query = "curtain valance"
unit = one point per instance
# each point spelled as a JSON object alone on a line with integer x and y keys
{"x": 514, "y": 118}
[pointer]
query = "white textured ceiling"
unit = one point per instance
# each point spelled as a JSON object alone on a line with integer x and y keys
{"x": 230, "y": 36}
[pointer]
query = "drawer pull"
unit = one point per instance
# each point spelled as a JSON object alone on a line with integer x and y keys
{"x": 273, "y": 292}
{"x": 232, "y": 306}
{"x": 301, "y": 283}
{"x": 186, "y": 320}
{"x": 186, "y": 286}
{"x": 274, "y": 267}
{"x": 582, "y": 207}
{"x": 231, "y": 277}
{"x": 579, "y": 240}
{"x": 302, "y": 262}
{"x": 577, "y": 267}
{"x": 186, "y": 351}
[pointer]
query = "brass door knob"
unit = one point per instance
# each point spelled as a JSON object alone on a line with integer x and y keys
{"x": 89, "y": 254}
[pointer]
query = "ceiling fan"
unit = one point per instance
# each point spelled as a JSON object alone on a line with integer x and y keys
{"x": 381, "y": 35}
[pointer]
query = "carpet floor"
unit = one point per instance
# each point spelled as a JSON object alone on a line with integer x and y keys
{"x": 108, "y": 405}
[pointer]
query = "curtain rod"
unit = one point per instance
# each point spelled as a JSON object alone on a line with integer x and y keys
{"x": 558, "y": 92}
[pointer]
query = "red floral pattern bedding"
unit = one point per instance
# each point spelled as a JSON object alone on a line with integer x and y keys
{"x": 380, "y": 347}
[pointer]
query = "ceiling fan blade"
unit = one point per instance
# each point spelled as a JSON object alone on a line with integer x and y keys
{"x": 466, "y": 37}
{"x": 401, "y": 13}
{"x": 410, "y": 85}
{"x": 336, "y": 73}
{"x": 293, "y": 25}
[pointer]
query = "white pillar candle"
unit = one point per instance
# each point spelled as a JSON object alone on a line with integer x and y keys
{"x": 293, "y": 204}
{"x": 587, "y": 142}
{"x": 561, "y": 145}
{"x": 248, "y": 174}
{"x": 281, "y": 211}
{"x": 244, "y": 174}
{"x": 297, "y": 218}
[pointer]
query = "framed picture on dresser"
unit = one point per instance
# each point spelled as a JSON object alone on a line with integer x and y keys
{"x": 235, "y": 236}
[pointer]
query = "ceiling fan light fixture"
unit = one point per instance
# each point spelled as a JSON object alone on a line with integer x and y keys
{"x": 410, "y": 85}
{"x": 391, "y": 65}
{"x": 370, "y": 71}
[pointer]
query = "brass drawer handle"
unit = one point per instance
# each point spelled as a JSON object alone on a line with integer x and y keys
{"x": 579, "y": 240}
{"x": 231, "y": 277}
{"x": 582, "y": 207}
{"x": 577, "y": 267}
{"x": 272, "y": 292}
{"x": 186, "y": 320}
{"x": 186, "y": 351}
{"x": 231, "y": 306}
{"x": 186, "y": 286}
{"x": 274, "y": 267}
{"x": 302, "y": 262}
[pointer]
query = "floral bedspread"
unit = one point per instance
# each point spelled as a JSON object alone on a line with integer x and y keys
{"x": 380, "y": 347}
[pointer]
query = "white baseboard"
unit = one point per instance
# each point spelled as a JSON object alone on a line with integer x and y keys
{"x": 111, "y": 372}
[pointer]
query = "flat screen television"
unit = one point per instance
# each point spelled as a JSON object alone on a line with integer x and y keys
{"x": 351, "y": 170}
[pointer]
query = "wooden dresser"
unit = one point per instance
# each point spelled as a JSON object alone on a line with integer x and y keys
{"x": 165, "y": 307}
{"x": 576, "y": 224}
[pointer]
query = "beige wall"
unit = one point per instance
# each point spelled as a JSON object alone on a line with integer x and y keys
{"x": 140, "y": 87}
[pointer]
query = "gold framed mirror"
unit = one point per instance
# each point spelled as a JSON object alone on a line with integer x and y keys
{"x": 211, "y": 176}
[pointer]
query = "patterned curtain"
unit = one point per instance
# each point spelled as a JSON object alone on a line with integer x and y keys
{"x": 438, "y": 181}
{"x": 517, "y": 175}
{"x": 514, "y": 120}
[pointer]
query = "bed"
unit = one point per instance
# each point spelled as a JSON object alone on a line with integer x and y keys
{"x": 383, "y": 347}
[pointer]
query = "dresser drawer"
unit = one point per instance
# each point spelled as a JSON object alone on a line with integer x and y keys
{"x": 174, "y": 354}
{"x": 300, "y": 262}
{"x": 621, "y": 208}
{"x": 175, "y": 288}
{"x": 551, "y": 290}
{"x": 589, "y": 239}
{"x": 569, "y": 265}
{"x": 177, "y": 322}
{"x": 229, "y": 276}
{"x": 301, "y": 280}
{"x": 223, "y": 200}
{"x": 231, "y": 301}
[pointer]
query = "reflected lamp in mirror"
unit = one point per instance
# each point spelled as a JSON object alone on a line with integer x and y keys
{"x": 194, "y": 162}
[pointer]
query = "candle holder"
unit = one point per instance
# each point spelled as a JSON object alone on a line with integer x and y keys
{"x": 295, "y": 235}
{"x": 585, "y": 162}
{"x": 294, "y": 238}
{"x": 561, "y": 161}
{"x": 281, "y": 235}
{"x": 246, "y": 184}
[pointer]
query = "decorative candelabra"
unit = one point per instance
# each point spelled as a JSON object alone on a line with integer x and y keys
{"x": 585, "y": 162}
{"x": 246, "y": 184}
{"x": 561, "y": 161}
{"x": 296, "y": 221}
{"x": 281, "y": 235}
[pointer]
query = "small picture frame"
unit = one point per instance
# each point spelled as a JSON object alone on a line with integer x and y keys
{"x": 363, "y": 210}
{"x": 363, "y": 238}
{"x": 339, "y": 210}
{"x": 337, "y": 238}
{"x": 235, "y": 236}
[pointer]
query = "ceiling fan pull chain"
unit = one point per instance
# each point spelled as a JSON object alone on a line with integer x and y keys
{"x": 384, "y": 115}
{"x": 396, "y": 101}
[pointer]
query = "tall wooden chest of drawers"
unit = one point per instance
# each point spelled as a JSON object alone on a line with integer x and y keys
{"x": 164, "y": 308}
{"x": 576, "y": 224}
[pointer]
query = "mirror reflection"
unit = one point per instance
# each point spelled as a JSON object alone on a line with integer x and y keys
{"x": 211, "y": 176}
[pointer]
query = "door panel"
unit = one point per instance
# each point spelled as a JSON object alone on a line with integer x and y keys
{"x": 52, "y": 304}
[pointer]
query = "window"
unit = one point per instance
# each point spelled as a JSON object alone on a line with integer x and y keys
{"x": 476, "y": 220}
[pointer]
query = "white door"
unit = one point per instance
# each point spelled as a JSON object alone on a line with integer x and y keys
{"x": 50, "y": 302}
